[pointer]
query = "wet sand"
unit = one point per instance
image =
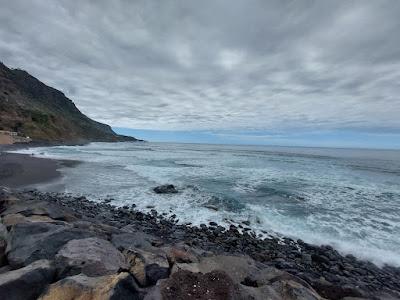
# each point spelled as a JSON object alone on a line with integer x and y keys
{"x": 19, "y": 170}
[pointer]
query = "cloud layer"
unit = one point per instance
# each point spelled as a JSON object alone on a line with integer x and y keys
{"x": 219, "y": 65}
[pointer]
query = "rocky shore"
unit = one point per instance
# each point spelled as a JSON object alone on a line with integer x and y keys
{"x": 55, "y": 246}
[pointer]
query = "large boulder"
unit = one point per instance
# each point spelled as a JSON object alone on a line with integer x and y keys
{"x": 118, "y": 286}
{"x": 280, "y": 289}
{"x": 147, "y": 263}
{"x": 147, "y": 267}
{"x": 183, "y": 285}
{"x": 331, "y": 291}
{"x": 28, "y": 242}
{"x": 165, "y": 189}
{"x": 90, "y": 256}
{"x": 238, "y": 267}
{"x": 255, "y": 279}
{"x": 28, "y": 282}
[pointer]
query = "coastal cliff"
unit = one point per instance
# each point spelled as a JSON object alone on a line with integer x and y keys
{"x": 31, "y": 108}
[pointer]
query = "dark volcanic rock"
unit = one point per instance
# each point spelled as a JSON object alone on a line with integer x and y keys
{"x": 303, "y": 268}
{"x": 40, "y": 208}
{"x": 91, "y": 256}
{"x": 154, "y": 272}
{"x": 147, "y": 266}
{"x": 165, "y": 189}
{"x": 28, "y": 242}
{"x": 26, "y": 283}
{"x": 131, "y": 240}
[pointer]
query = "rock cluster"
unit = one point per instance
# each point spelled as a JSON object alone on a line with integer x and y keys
{"x": 55, "y": 246}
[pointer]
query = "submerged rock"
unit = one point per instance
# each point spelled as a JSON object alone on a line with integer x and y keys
{"x": 165, "y": 189}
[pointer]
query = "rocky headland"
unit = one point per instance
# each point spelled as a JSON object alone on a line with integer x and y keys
{"x": 30, "y": 108}
{"x": 56, "y": 246}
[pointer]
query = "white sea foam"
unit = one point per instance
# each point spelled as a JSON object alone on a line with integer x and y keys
{"x": 348, "y": 199}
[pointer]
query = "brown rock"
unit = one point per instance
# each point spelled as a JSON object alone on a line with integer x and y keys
{"x": 180, "y": 255}
{"x": 117, "y": 286}
{"x": 183, "y": 285}
{"x": 13, "y": 219}
{"x": 147, "y": 267}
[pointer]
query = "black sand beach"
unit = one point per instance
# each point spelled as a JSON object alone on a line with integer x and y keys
{"x": 21, "y": 170}
{"x": 18, "y": 170}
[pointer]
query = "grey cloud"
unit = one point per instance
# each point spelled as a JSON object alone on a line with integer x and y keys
{"x": 214, "y": 64}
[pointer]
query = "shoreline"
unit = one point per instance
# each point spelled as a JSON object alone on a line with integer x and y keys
{"x": 21, "y": 170}
{"x": 24, "y": 170}
{"x": 322, "y": 267}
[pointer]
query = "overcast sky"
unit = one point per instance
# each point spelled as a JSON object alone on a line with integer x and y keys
{"x": 237, "y": 66}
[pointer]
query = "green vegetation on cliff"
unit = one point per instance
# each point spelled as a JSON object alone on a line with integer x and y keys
{"x": 45, "y": 114}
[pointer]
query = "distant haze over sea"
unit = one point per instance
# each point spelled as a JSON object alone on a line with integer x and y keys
{"x": 316, "y": 138}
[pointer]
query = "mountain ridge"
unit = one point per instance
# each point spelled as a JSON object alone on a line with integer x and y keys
{"x": 45, "y": 114}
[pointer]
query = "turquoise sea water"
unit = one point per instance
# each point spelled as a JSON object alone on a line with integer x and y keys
{"x": 348, "y": 198}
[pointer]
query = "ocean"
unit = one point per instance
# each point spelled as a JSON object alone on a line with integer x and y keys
{"x": 347, "y": 198}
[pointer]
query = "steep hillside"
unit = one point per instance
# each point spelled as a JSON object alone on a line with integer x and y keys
{"x": 34, "y": 109}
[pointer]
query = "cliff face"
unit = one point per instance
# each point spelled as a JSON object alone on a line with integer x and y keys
{"x": 45, "y": 114}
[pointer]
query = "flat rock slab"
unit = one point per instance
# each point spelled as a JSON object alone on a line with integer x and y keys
{"x": 14, "y": 219}
{"x": 90, "y": 256}
{"x": 28, "y": 208}
{"x": 28, "y": 242}
{"x": 118, "y": 286}
{"x": 26, "y": 283}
